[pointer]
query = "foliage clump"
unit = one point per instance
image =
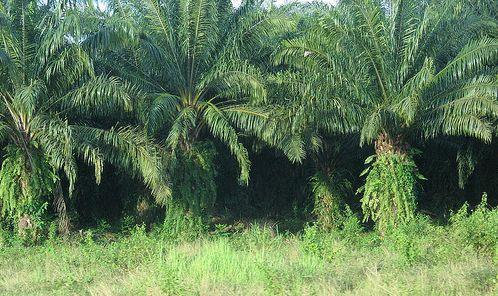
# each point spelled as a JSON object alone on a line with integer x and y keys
{"x": 194, "y": 173}
{"x": 477, "y": 228}
{"x": 162, "y": 89}
{"x": 329, "y": 193}
{"x": 26, "y": 183}
{"x": 390, "y": 190}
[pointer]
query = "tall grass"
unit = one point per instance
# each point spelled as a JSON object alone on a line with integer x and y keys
{"x": 419, "y": 258}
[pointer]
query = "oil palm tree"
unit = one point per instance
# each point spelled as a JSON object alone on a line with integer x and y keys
{"x": 418, "y": 69}
{"x": 49, "y": 96}
{"x": 191, "y": 58}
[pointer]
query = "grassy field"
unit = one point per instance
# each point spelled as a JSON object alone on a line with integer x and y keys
{"x": 417, "y": 259}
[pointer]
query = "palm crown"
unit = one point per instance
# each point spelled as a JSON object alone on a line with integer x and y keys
{"x": 391, "y": 58}
{"x": 191, "y": 58}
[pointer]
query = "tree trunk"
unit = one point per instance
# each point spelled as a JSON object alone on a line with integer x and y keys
{"x": 388, "y": 144}
{"x": 391, "y": 185}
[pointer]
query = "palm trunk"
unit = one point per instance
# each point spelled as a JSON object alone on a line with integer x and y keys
{"x": 61, "y": 209}
{"x": 388, "y": 144}
{"x": 391, "y": 186}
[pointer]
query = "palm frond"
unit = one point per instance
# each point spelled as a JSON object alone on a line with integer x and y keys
{"x": 221, "y": 128}
{"x": 130, "y": 148}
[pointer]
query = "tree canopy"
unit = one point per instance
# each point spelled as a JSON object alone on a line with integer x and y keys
{"x": 169, "y": 91}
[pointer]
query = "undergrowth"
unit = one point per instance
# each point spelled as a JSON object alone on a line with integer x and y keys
{"x": 416, "y": 258}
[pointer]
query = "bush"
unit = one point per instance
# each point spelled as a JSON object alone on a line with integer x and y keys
{"x": 180, "y": 225}
{"x": 478, "y": 228}
{"x": 414, "y": 240}
{"x": 25, "y": 185}
{"x": 5, "y": 237}
{"x": 329, "y": 191}
{"x": 312, "y": 242}
{"x": 194, "y": 186}
{"x": 350, "y": 225}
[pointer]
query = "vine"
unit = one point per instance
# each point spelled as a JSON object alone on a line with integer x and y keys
{"x": 329, "y": 191}
{"x": 194, "y": 175}
{"x": 25, "y": 183}
{"x": 391, "y": 189}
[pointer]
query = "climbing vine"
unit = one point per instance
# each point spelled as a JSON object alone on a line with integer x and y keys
{"x": 391, "y": 189}
{"x": 329, "y": 192}
{"x": 26, "y": 181}
{"x": 194, "y": 179}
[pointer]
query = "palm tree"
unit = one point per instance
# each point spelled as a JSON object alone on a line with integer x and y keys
{"x": 416, "y": 73}
{"x": 191, "y": 58}
{"x": 49, "y": 96}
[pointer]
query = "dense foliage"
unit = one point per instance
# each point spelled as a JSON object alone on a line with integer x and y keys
{"x": 50, "y": 93}
{"x": 169, "y": 101}
{"x": 185, "y": 147}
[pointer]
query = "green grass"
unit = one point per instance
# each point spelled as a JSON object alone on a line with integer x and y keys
{"x": 417, "y": 259}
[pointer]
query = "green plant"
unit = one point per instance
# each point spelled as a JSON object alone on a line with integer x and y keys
{"x": 102, "y": 226}
{"x": 5, "y": 237}
{"x": 405, "y": 261}
{"x": 221, "y": 230}
{"x": 312, "y": 242}
{"x": 390, "y": 190}
{"x": 329, "y": 193}
{"x": 179, "y": 225}
{"x": 478, "y": 229}
{"x": 412, "y": 240}
{"x": 26, "y": 182}
{"x": 257, "y": 235}
{"x": 127, "y": 222}
{"x": 350, "y": 225}
{"x": 194, "y": 173}
{"x": 52, "y": 231}
{"x": 88, "y": 238}
{"x": 191, "y": 58}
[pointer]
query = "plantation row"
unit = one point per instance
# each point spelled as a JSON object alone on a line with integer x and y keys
{"x": 163, "y": 99}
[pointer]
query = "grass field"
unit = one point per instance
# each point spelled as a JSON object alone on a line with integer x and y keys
{"x": 417, "y": 259}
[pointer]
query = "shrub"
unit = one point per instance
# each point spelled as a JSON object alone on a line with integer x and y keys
{"x": 5, "y": 237}
{"x": 329, "y": 192}
{"x": 194, "y": 173}
{"x": 179, "y": 225}
{"x": 311, "y": 240}
{"x": 478, "y": 228}
{"x": 350, "y": 224}
{"x": 413, "y": 240}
